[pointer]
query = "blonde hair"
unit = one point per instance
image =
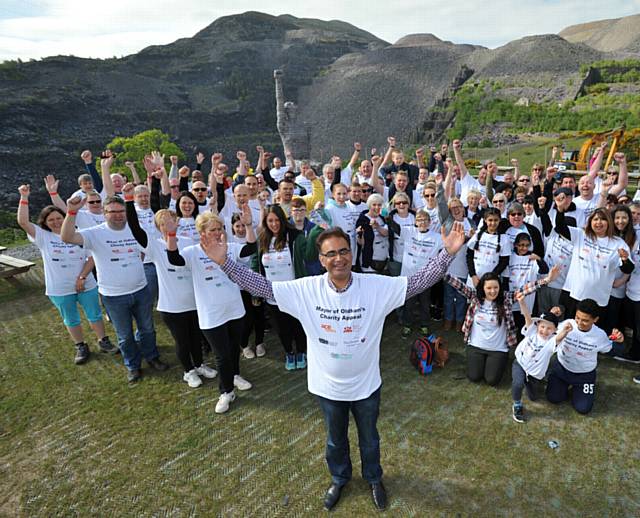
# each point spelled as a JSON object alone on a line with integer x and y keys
{"x": 161, "y": 214}
{"x": 204, "y": 220}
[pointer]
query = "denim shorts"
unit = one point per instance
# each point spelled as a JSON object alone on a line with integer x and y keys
{"x": 68, "y": 306}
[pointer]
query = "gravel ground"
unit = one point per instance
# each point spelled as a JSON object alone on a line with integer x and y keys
{"x": 27, "y": 252}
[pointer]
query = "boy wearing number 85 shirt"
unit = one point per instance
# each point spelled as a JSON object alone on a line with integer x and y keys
{"x": 577, "y": 359}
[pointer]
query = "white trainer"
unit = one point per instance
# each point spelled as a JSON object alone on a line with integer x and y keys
{"x": 192, "y": 378}
{"x": 223, "y": 402}
{"x": 248, "y": 353}
{"x": 240, "y": 383}
{"x": 260, "y": 350}
{"x": 206, "y": 371}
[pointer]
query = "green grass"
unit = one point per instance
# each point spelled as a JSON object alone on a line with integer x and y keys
{"x": 78, "y": 441}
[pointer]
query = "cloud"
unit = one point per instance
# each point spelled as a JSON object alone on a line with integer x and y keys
{"x": 86, "y": 28}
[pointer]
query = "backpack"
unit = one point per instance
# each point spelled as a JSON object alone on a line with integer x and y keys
{"x": 425, "y": 351}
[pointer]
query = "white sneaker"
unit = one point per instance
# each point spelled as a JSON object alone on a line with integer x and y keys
{"x": 248, "y": 353}
{"x": 223, "y": 402}
{"x": 260, "y": 350}
{"x": 192, "y": 378}
{"x": 206, "y": 371}
{"x": 240, "y": 383}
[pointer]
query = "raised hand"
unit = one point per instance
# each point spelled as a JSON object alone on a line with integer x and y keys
{"x": 158, "y": 159}
{"x": 128, "y": 189}
{"x": 457, "y": 144}
{"x": 455, "y": 239}
{"x": 24, "y": 190}
{"x": 170, "y": 225}
{"x": 241, "y": 156}
{"x": 420, "y": 152}
{"x": 215, "y": 158}
{"x": 567, "y": 328}
{"x": 357, "y": 146}
{"x": 542, "y": 201}
{"x": 86, "y": 156}
{"x": 199, "y": 158}
{"x": 130, "y": 164}
{"x": 216, "y": 249}
{"x": 245, "y": 215}
{"x": 259, "y": 149}
{"x": 391, "y": 141}
{"x": 51, "y": 183}
{"x": 519, "y": 296}
{"x": 619, "y": 158}
{"x": 75, "y": 203}
{"x": 184, "y": 171}
{"x": 553, "y": 273}
{"x": 624, "y": 255}
{"x": 174, "y": 159}
{"x": 107, "y": 161}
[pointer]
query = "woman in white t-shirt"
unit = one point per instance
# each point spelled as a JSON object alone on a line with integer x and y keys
{"x": 597, "y": 254}
{"x": 489, "y": 328}
{"x": 253, "y": 306}
{"x": 372, "y": 237}
{"x": 400, "y": 217}
{"x": 488, "y": 250}
{"x": 176, "y": 299}
{"x": 282, "y": 252}
{"x": 218, "y": 300}
{"x": 67, "y": 275}
{"x": 187, "y": 212}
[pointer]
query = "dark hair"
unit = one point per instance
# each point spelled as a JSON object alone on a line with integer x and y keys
{"x": 522, "y": 236}
{"x": 332, "y": 232}
{"x": 492, "y": 276}
{"x": 490, "y": 211}
{"x": 113, "y": 199}
{"x": 265, "y": 235}
{"x": 186, "y": 194}
{"x": 45, "y": 213}
{"x": 603, "y": 213}
{"x": 628, "y": 234}
{"x": 589, "y": 306}
{"x": 286, "y": 180}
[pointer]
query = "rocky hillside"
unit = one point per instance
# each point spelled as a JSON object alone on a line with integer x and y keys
{"x": 215, "y": 91}
{"x": 616, "y": 35}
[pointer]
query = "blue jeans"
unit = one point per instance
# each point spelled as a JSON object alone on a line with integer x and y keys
{"x": 455, "y": 305}
{"x": 336, "y": 418}
{"x": 122, "y": 310}
{"x": 152, "y": 281}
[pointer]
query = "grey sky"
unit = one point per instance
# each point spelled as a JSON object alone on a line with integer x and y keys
{"x": 91, "y": 28}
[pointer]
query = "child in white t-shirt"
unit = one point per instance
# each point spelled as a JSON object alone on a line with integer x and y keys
{"x": 533, "y": 354}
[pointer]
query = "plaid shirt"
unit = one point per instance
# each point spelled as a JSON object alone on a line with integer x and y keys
{"x": 474, "y": 302}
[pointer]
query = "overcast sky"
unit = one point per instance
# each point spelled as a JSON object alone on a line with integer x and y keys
{"x": 92, "y": 28}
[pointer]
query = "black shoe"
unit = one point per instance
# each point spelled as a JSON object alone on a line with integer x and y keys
{"x": 518, "y": 414}
{"x": 134, "y": 376}
{"x": 332, "y": 496}
{"x": 379, "y": 495}
{"x": 158, "y": 364}
{"x": 82, "y": 353}
{"x": 106, "y": 346}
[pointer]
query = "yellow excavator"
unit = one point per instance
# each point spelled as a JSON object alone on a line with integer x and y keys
{"x": 579, "y": 160}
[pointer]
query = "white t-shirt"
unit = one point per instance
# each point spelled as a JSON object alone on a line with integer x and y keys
{"x": 87, "y": 219}
{"x": 147, "y": 223}
{"x": 559, "y": 251}
{"x": 578, "y": 352}
{"x": 175, "y": 285}
{"x": 62, "y": 261}
{"x": 419, "y": 248}
{"x": 342, "y": 217}
{"x": 512, "y": 232}
{"x": 278, "y": 173}
{"x": 486, "y": 333}
{"x": 584, "y": 208}
{"x": 486, "y": 257}
{"x": 522, "y": 270}
{"x": 187, "y": 228}
{"x": 633, "y": 284}
{"x": 534, "y": 353}
{"x": 343, "y": 330}
{"x": 278, "y": 265}
{"x": 466, "y": 184}
{"x": 398, "y": 244}
{"x": 217, "y": 298}
{"x": 117, "y": 257}
{"x": 380, "y": 242}
{"x": 593, "y": 266}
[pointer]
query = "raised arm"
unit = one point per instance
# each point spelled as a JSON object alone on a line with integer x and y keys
{"x": 23, "y": 211}
{"x": 524, "y": 309}
{"x": 68, "y": 232}
{"x": 317, "y": 191}
{"x": 105, "y": 165}
{"x": 87, "y": 158}
{"x": 51, "y": 184}
{"x": 594, "y": 169}
{"x": 566, "y": 329}
{"x": 457, "y": 152}
{"x": 173, "y": 172}
{"x": 132, "y": 216}
{"x": 134, "y": 173}
{"x": 623, "y": 175}
{"x": 387, "y": 156}
{"x": 356, "y": 155}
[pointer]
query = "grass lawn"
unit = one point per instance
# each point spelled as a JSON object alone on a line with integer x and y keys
{"x": 78, "y": 441}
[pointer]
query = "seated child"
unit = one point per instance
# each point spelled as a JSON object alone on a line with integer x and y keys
{"x": 533, "y": 354}
{"x": 575, "y": 365}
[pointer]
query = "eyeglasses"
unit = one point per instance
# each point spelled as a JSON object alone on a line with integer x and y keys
{"x": 428, "y": 195}
{"x": 199, "y": 189}
{"x": 455, "y": 207}
{"x": 298, "y": 209}
{"x": 175, "y": 187}
{"x": 497, "y": 201}
{"x": 94, "y": 202}
{"x": 400, "y": 203}
{"x": 114, "y": 211}
{"x": 333, "y": 254}
{"x": 516, "y": 214}
{"x": 367, "y": 190}
{"x": 524, "y": 180}
{"x": 537, "y": 169}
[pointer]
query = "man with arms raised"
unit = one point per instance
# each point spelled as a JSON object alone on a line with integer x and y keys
{"x": 343, "y": 315}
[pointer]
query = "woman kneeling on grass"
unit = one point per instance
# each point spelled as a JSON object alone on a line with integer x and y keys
{"x": 218, "y": 301}
{"x": 67, "y": 275}
{"x": 489, "y": 329}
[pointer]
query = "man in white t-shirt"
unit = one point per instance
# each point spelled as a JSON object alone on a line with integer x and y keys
{"x": 343, "y": 315}
{"x": 121, "y": 281}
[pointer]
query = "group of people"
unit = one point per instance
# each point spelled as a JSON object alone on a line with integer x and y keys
{"x": 325, "y": 257}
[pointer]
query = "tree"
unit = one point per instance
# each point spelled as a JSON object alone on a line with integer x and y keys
{"x": 135, "y": 148}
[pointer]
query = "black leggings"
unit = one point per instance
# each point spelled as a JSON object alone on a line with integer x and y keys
{"x": 225, "y": 341}
{"x": 253, "y": 319}
{"x": 186, "y": 334}
{"x": 486, "y": 365}
{"x": 289, "y": 331}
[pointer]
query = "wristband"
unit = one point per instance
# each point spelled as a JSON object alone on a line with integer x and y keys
{"x": 171, "y": 234}
{"x": 128, "y": 198}
{"x": 24, "y": 202}
{"x": 53, "y": 193}
{"x": 72, "y": 212}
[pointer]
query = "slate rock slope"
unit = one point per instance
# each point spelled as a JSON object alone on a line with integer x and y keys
{"x": 615, "y": 35}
